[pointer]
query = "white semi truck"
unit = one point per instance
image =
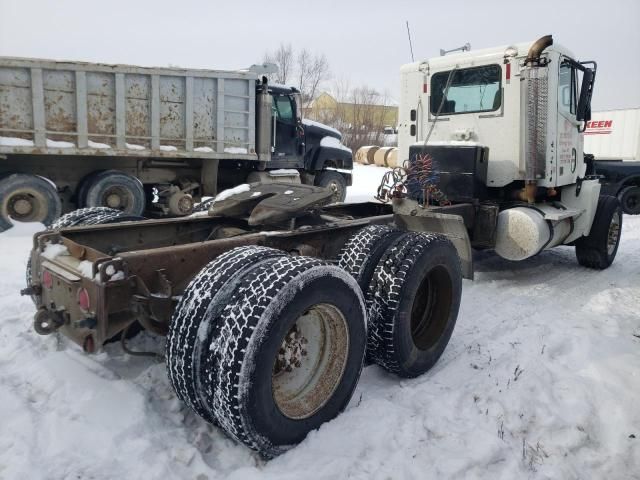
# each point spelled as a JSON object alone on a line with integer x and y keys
{"x": 504, "y": 129}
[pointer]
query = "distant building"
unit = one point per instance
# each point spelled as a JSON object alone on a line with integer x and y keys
{"x": 363, "y": 121}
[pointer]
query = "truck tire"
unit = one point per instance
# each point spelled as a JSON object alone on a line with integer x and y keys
{"x": 335, "y": 181}
{"x": 77, "y": 217}
{"x": 83, "y": 186}
{"x": 114, "y": 189}
{"x": 629, "y": 198}
{"x": 413, "y": 307}
{"x": 599, "y": 248}
{"x": 27, "y": 198}
{"x": 290, "y": 349}
{"x": 195, "y": 318}
{"x": 362, "y": 252}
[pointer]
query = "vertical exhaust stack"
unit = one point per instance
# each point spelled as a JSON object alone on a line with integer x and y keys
{"x": 535, "y": 97}
{"x": 263, "y": 122}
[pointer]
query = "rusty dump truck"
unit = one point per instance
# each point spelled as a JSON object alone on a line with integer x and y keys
{"x": 267, "y": 301}
{"x": 150, "y": 140}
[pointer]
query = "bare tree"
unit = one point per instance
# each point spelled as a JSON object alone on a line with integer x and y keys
{"x": 305, "y": 69}
{"x": 361, "y": 115}
{"x": 283, "y": 56}
{"x": 312, "y": 70}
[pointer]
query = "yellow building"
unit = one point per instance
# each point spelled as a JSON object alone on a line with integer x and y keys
{"x": 366, "y": 111}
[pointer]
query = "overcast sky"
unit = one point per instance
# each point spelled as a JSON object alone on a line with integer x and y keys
{"x": 364, "y": 41}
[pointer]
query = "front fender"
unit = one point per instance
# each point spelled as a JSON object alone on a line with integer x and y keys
{"x": 323, "y": 157}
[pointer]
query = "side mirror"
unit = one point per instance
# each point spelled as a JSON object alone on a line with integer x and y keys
{"x": 583, "y": 112}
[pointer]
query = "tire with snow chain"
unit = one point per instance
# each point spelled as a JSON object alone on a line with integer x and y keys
{"x": 413, "y": 305}
{"x": 362, "y": 252}
{"x": 290, "y": 352}
{"x": 598, "y": 249}
{"x": 93, "y": 216}
{"x": 195, "y": 319}
{"x": 77, "y": 217}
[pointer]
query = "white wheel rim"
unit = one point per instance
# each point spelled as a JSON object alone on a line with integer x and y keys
{"x": 117, "y": 197}
{"x": 27, "y": 205}
{"x": 311, "y": 362}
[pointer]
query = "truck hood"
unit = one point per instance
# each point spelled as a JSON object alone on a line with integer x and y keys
{"x": 315, "y": 131}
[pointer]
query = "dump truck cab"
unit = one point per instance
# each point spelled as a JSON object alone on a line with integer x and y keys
{"x": 286, "y": 140}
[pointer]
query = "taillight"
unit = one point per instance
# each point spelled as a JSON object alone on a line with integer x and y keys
{"x": 47, "y": 279}
{"x": 425, "y": 88}
{"x": 508, "y": 71}
{"x": 83, "y": 299}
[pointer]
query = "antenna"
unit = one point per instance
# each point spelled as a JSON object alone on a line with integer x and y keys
{"x": 410, "y": 45}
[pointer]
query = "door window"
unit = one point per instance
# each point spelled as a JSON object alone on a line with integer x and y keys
{"x": 284, "y": 109}
{"x": 567, "y": 89}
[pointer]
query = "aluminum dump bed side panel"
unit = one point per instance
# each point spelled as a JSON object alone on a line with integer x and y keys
{"x": 77, "y": 108}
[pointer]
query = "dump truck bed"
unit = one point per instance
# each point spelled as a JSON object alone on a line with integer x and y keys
{"x": 78, "y": 108}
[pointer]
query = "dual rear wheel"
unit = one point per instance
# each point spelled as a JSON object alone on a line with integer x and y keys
{"x": 270, "y": 346}
{"x": 31, "y": 198}
{"x": 267, "y": 346}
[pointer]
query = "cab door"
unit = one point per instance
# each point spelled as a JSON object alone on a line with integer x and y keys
{"x": 286, "y": 131}
{"x": 569, "y": 141}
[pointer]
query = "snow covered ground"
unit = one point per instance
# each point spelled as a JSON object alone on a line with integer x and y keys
{"x": 541, "y": 380}
{"x": 366, "y": 179}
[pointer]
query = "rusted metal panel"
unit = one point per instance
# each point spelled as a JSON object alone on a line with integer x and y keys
{"x": 205, "y": 112}
{"x": 81, "y": 106}
{"x": 188, "y": 113}
{"x": 122, "y": 110}
{"x": 60, "y": 104}
{"x": 37, "y": 97}
{"x": 172, "y": 108}
{"x": 138, "y": 109}
{"x": 101, "y": 107}
{"x": 16, "y": 107}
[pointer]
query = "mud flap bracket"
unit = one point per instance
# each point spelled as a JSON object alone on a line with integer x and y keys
{"x": 410, "y": 215}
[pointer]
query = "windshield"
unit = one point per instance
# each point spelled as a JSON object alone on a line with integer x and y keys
{"x": 474, "y": 89}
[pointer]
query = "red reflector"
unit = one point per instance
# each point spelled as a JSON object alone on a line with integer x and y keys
{"x": 508, "y": 71}
{"x": 424, "y": 88}
{"x": 83, "y": 299}
{"x": 47, "y": 279}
